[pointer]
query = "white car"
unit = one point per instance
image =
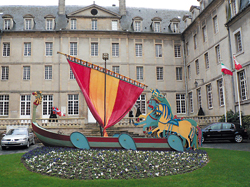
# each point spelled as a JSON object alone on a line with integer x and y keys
{"x": 18, "y": 137}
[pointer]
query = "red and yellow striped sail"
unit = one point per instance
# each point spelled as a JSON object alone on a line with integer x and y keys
{"x": 121, "y": 92}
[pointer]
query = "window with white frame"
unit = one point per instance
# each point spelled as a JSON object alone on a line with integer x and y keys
{"x": 197, "y": 67}
{"x": 217, "y": 51}
{"x": 48, "y": 48}
{"x": 138, "y": 50}
{"x": 238, "y": 41}
{"x": 73, "y": 48}
{"x": 158, "y": 50}
{"x": 26, "y": 72}
{"x": 47, "y": 105}
{"x": 4, "y": 105}
{"x": 242, "y": 85}
{"x": 180, "y": 104}
{"x": 139, "y": 73}
{"x": 159, "y": 73}
{"x": 73, "y": 24}
{"x": 114, "y": 25}
{"x": 195, "y": 41}
{"x": 6, "y": 49}
{"x": 233, "y": 7}
{"x": 116, "y": 69}
{"x": 73, "y": 104}
{"x": 94, "y": 49}
{"x": 216, "y": 25}
{"x": 141, "y": 103}
{"x": 179, "y": 73}
{"x": 27, "y": 49}
{"x": 220, "y": 92}
{"x": 48, "y": 72}
{"x": 177, "y": 51}
{"x": 175, "y": 27}
{"x": 137, "y": 26}
{"x": 71, "y": 74}
{"x": 198, "y": 91}
{"x": 191, "y": 106}
{"x": 157, "y": 26}
{"x": 94, "y": 25}
{"x": 25, "y": 106}
{"x": 49, "y": 24}
{"x": 5, "y": 72}
{"x": 206, "y": 60}
{"x": 209, "y": 96}
{"x": 28, "y": 24}
{"x": 115, "y": 49}
{"x": 7, "y": 24}
{"x": 204, "y": 32}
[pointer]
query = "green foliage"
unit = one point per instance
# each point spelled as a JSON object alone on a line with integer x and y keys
{"x": 234, "y": 118}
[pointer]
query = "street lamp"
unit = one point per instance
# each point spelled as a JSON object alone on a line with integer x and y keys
{"x": 105, "y": 56}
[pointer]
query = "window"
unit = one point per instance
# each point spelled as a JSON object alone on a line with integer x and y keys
{"x": 204, "y": 32}
{"x": 206, "y": 60}
{"x": 188, "y": 72}
{"x": 47, "y": 105}
{"x": 175, "y": 27}
{"x": 216, "y": 26}
{"x": 73, "y": 48}
{"x": 238, "y": 41}
{"x": 115, "y": 49}
{"x": 114, "y": 25}
{"x": 217, "y": 51}
{"x": 137, "y": 27}
{"x": 94, "y": 49}
{"x": 4, "y": 105}
{"x": 191, "y": 107}
{"x": 27, "y": 49}
{"x": 158, "y": 50}
{"x": 138, "y": 50}
{"x": 49, "y": 24}
{"x": 116, "y": 69}
{"x": 157, "y": 26}
{"x": 71, "y": 74}
{"x": 220, "y": 92}
{"x": 187, "y": 48}
{"x": 7, "y": 24}
{"x": 49, "y": 47}
{"x": 209, "y": 96}
{"x": 177, "y": 51}
{"x": 159, "y": 73}
{"x": 202, "y": 4}
{"x": 26, "y": 72}
{"x": 25, "y": 105}
{"x": 242, "y": 85}
{"x": 195, "y": 41}
{"x": 94, "y": 25}
{"x": 5, "y": 72}
{"x": 179, "y": 73}
{"x": 199, "y": 97}
{"x": 28, "y": 24}
{"x": 233, "y": 7}
{"x": 48, "y": 72}
{"x": 6, "y": 49}
{"x": 73, "y": 24}
{"x": 139, "y": 73}
{"x": 180, "y": 104}
{"x": 73, "y": 104}
{"x": 141, "y": 103}
{"x": 197, "y": 67}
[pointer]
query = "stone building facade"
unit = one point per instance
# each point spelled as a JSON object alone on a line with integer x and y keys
{"x": 165, "y": 49}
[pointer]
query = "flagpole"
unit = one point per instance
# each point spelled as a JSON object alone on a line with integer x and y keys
{"x": 224, "y": 96}
{"x": 238, "y": 94}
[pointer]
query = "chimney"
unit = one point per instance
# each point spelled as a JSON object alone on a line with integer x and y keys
{"x": 61, "y": 7}
{"x": 122, "y": 7}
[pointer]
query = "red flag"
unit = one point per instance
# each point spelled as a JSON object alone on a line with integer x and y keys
{"x": 236, "y": 64}
{"x": 225, "y": 70}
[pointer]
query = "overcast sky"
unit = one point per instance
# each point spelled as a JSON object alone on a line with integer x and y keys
{"x": 164, "y": 4}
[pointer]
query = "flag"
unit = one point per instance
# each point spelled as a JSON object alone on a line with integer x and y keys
{"x": 57, "y": 111}
{"x": 225, "y": 70}
{"x": 236, "y": 64}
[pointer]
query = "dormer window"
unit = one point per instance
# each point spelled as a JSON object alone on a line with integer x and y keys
{"x": 7, "y": 22}
{"x": 114, "y": 25}
{"x": 28, "y": 22}
{"x": 49, "y": 22}
{"x": 174, "y": 25}
{"x": 137, "y": 24}
{"x": 156, "y": 24}
{"x": 73, "y": 24}
{"x": 233, "y": 6}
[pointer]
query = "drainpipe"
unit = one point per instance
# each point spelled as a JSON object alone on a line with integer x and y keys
{"x": 185, "y": 75}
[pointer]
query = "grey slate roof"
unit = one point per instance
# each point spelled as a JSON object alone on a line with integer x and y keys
{"x": 39, "y": 12}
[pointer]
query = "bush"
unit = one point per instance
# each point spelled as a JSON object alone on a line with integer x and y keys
{"x": 234, "y": 118}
